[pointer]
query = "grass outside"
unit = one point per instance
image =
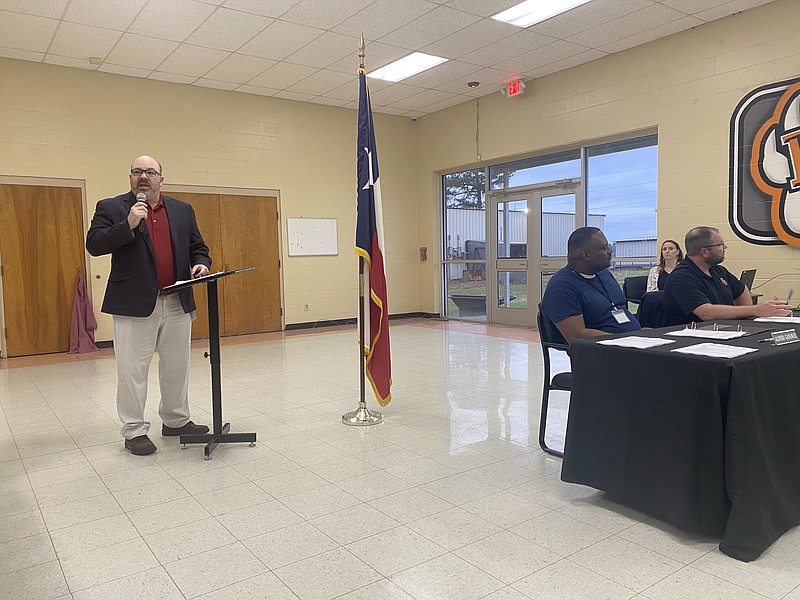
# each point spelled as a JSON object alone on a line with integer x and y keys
{"x": 478, "y": 288}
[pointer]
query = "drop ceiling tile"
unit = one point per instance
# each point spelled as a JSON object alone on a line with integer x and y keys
{"x": 327, "y": 101}
{"x": 566, "y": 63}
{"x": 377, "y": 56}
{"x": 430, "y": 28}
{"x": 640, "y": 20}
{"x": 42, "y": 8}
{"x": 111, "y": 14}
{"x": 323, "y": 14}
{"x": 228, "y": 29}
{"x": 507, "y": 48}
{"x": 692, "y": 6}
{"x": 422, "y": 100}
{"x": 238, "y": 68}
{"x": 192, "y": 60}
{"x": 384, "y": 16}
{"x": 436, "y": 76}
{"x": 483, "y": 8}
{"x": 556, "y": 51}
{"x": 326, "y": 49}
{"x": 171, "y": 19}
{"x": 346, "y": 92}
{"x": 279, "y": 40}
{"x": 26, "y": 32}
{"x": 727, "y": 9}
{"x": 322, "y": 81}
{"x": 254, "y": 89}
{"x": 21, "y": 54}
{"x": 214, "y": 2}
{"x": 83, "y": 41}
{"x": 587, "y": 16}
{"x": 140, "y": 51}
{"x": 69, "y": 61}
{"x": 652, "y": 34}
{"x": 282, "y": 76}
{"x": 219, "y": 85}
{"x": 287, "y": 95}
{"x": 273, "y": 8}
{"x": 471, "y": 38}
{"x": 384, "y": 110}
{"x": 453, "y": 101}
{"x": 174, "y": 78}
{"x": 121, "y": 70}
{"x": 489, "y": 79}
{"x": 394, "y": 93}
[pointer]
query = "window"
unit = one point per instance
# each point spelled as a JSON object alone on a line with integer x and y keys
{"x": 464, "y": 195}
{"x": 621, "y": 187}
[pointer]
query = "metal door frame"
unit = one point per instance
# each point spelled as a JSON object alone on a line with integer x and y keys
{"x": 533, "y": 265}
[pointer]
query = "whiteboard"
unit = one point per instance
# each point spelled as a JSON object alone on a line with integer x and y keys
{"x": 312, "y": 237}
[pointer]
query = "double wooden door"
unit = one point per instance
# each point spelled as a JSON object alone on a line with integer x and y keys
{"x": 41, "y": 252}
{"x": 42, "y": 238}
{"x": 240, "y": 231}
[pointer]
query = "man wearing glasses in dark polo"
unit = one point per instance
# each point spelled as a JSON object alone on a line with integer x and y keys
{"x": 153, "y": 241}
{"x": 701, "y": 289}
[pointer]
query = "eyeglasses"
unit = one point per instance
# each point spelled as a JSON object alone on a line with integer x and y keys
{"x": 714, "y": 245}
{"x": 149, "y": 172}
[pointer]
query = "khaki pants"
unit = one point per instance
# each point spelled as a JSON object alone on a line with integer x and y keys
{"x": 166, "y": 331}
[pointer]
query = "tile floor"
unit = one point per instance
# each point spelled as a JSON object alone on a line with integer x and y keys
{"x": 450, "y": 498}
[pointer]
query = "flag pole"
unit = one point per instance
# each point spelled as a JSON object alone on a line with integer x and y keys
{"x": 362, "y": 416}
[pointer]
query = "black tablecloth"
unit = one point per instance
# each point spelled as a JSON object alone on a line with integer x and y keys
{"x": 709, "y": 445}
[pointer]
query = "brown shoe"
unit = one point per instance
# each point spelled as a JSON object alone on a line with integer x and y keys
{"x": 140, "y": 445}
{"x": 186, "y": 429}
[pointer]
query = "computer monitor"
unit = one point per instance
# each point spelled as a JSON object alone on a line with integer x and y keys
{"x": 747, "y": 277}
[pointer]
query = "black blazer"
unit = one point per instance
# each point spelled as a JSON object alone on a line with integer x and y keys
{"x": 133, "y": 283}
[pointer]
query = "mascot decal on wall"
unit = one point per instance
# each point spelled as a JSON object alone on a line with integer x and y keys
{"x": 764, "y": 202}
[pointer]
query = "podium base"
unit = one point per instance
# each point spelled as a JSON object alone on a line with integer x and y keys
{"x": 362, "y": 417}
{"x": 212, "y": 440}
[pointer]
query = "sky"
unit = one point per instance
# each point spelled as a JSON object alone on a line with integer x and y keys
{"x": 622, "y": 186}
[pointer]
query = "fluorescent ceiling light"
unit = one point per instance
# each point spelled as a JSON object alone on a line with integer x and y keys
{"x": 407, "y": 66}
{"x": 531, "y": 12}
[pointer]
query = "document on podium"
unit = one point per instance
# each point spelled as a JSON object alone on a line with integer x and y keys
{"x": 210, "y": 277}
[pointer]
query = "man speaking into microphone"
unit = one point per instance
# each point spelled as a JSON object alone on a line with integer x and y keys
{"x": 153, "y": 241}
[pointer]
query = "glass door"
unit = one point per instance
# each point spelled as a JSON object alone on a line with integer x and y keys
{"x": 530, "y": 231}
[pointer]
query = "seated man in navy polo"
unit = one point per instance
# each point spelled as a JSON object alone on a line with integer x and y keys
{"x": 583, "y": 299}
{"x": 701, "y": 289}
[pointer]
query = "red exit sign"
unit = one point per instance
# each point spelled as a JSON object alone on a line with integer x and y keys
{"x": 514, "y": 88}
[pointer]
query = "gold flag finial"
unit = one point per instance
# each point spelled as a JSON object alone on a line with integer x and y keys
{"x": 361, "y": 53}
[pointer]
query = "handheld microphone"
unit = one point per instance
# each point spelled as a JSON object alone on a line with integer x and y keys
{"x": 140, "y": 197}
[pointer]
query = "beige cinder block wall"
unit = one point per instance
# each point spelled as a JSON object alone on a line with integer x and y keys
{"x": 685, "y": 87}
{"x": 68, "y": 123}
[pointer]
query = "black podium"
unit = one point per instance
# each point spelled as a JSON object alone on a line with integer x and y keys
{"x": 220, "y": 434}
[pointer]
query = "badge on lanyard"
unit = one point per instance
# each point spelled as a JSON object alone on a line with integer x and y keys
{"x": 620, "y": 316}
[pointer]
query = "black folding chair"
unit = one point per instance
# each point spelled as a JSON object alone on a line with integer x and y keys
{"x": 550, "y": 337}
{"x": 634, "y": 288}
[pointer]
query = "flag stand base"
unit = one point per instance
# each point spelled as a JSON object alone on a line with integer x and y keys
{"x": 361, "y": 417}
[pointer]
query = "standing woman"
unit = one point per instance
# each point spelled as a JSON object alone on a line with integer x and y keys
{"x": 671, "y": 255}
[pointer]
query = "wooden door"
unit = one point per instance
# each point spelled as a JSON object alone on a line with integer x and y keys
{"x": 207, "y": 209}
{"x": 250, "y": 234}
{"x": 240, "y": 231}
{"x": 41, "y": 248}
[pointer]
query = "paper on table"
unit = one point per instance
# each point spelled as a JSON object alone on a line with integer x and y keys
{"x": 636, "y": 341}
{"x": 778, "y": 319}
{"x": 715, "y": 350}
{"x": 708, "y": 334}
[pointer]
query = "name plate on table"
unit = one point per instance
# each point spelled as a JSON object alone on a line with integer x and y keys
{"x": 789, "y": 336}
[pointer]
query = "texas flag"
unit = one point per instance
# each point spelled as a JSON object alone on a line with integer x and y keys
{"x": 369, "y": 244}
